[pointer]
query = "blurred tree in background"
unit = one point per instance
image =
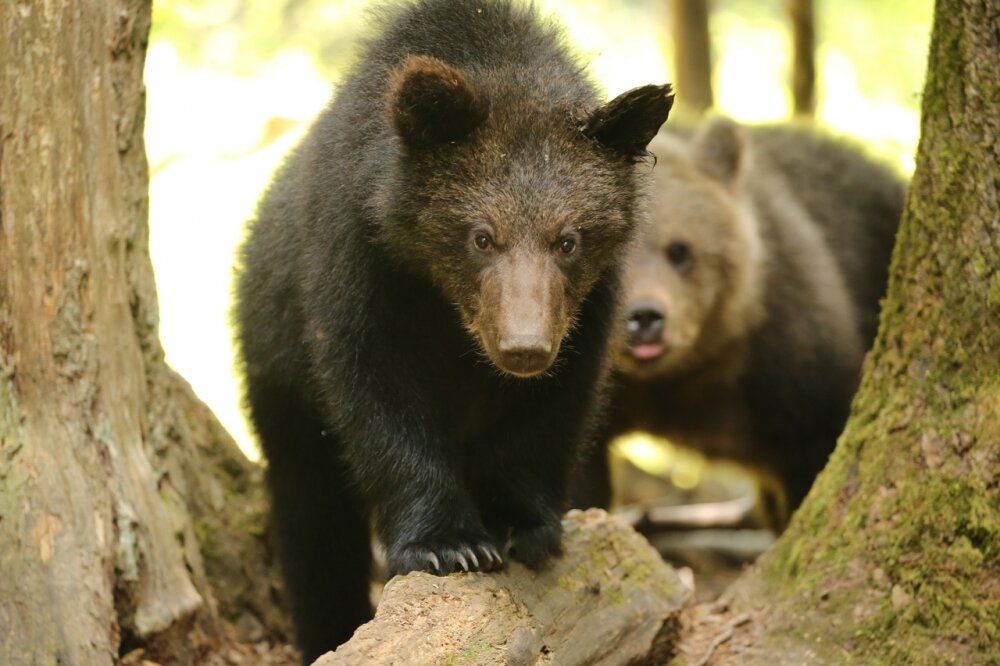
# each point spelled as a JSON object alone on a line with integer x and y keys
{"x": 692, "y": 54}
{"x": 803, "y": 18}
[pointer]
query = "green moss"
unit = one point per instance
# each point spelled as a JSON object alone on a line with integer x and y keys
{"x": 993, "y": 292}
{"x": 471, "y": 654}
{"x": 616, "y": 597}
{"x": 635, "y": 571}
{"x": 590, "y": 570}
{"x": 599, "y": 558}
{"x": 939, "y": 541}
{"x": 944, "y": 546}
{"x": 934, "y": 534}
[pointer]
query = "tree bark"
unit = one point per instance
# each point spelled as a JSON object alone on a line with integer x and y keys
{"x": 803, "y": 56}
{"x": 893, "y": 557}
{"x": 692, "y": 55}
{"x": 609, "y": 600}
{"x": 113, "y": 477}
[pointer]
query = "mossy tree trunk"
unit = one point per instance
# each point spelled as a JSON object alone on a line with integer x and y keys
{"x": 127, "y": 516}
{"x": 894, "y": 556}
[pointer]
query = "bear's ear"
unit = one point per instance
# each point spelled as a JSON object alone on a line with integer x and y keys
{"x": 629, "y": 122}
{"x": 430, "y": 102}
{"x": 720, "y": 150}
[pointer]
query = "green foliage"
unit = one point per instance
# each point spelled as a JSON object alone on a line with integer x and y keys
{"x": 887, "y": 41}
{"x": 238, "y": 35}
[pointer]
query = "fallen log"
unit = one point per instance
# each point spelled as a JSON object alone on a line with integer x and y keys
{"x": 610, "y": 599}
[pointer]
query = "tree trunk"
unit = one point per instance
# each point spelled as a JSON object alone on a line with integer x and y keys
{"x": 803, "y": 56}
{"x": 113, "y": 477}
{"x": 608, "y": 600}
{"x": 692, "y": 55}
{"x": 893, "y": 557}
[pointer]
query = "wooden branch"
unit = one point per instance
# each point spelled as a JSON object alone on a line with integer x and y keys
{"x": 610, "y": 599}
{"x": 649, "y": 518}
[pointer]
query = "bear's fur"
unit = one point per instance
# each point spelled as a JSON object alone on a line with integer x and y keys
{"x": 751, "y": 299}
{"x": 424, "y": 300}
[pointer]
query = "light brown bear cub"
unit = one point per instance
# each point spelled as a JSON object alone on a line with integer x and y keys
{"x": 752, "y": 297}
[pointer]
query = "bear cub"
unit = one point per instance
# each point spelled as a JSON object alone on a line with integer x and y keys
{"x": 751, "y": 299}
{"x": 424, "y": 301}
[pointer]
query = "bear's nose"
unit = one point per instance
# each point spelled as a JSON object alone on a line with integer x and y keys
{"x": 645, "y": 324}
{"x": 525, "y": 354}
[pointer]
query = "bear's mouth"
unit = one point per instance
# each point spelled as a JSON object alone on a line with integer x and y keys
{"x": 647, "y": 351}
{"x": 644, "y": 329}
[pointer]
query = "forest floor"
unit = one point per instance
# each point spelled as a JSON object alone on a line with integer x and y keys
{"x": 713, "y": 633}
{"x": 230, "y": 654}
{"x": 264, "y": 654}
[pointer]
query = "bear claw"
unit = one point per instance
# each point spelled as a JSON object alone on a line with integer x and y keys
{"x": 445, "y": 556}
{"x": 434, "y": 561}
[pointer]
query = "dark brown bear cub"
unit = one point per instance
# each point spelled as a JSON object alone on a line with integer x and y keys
{"x": 751, "y": 298}
{"x": 424, "y": 302}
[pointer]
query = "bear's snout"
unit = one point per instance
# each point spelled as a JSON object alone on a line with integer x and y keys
{"x": 645, "y": 324}
{"x": 525, "y": 354}
{"x": 522, "y": 316}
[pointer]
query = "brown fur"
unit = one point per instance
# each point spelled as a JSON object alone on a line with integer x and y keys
{"x": 523, "y": 291}
{"x": 748, "y": 345}
{"x": 423, "y": 86}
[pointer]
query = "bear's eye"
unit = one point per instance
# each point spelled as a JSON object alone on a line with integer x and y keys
{"x": 482, "y": 241}
{"x": 679, "y": 254}
{"x": 567, "y": 245}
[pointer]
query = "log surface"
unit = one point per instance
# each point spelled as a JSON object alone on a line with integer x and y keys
{"x": 610, "y": 599}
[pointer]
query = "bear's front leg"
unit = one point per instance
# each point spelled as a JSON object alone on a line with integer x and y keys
{"x": 430, "y": 524}
{"x": 532, "y": 453}
{"x": 524, "y": 493}
{"x": 536, "y": 523}
{"x": 424, "y": 513}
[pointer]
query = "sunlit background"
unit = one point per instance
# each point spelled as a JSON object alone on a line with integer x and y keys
{"x": 232, "y": 84}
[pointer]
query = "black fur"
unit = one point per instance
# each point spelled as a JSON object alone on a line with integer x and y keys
{"x": 365, "y": 373}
